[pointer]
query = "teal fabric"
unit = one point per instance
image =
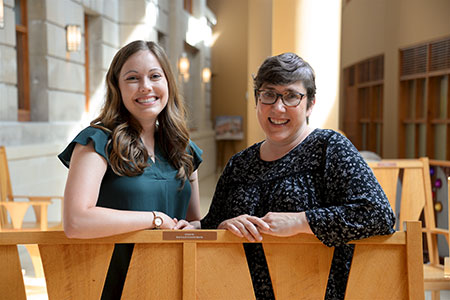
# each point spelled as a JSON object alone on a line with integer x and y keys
{"x": 156, "y": 189}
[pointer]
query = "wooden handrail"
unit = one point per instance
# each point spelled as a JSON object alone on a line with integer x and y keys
{"x": 396, "y": 163}
{"x": 439, "y": 163}
{"x": 211, "y": 264}
{"x": 174, "y": 236}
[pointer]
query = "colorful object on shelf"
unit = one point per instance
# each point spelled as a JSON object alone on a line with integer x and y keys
{"x": 438, "y": 206}
{"x": 432, "y": 171}
{"x": 438, "y": 183}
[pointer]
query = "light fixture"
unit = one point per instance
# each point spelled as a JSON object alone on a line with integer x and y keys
{"x": 206, "y": 74}
{"x": 2, "y": 15}
{"x": 183, "y": 66}
{"x": 73, "y": 38}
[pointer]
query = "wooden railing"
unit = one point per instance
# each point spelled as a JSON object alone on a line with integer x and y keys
{"x": 211, "y": 264}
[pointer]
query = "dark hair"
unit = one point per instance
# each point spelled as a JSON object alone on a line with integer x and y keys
{"x": 285, "y": 69}
{"x": 128, "y": 155}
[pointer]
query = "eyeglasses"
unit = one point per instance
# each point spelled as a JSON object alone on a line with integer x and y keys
{"x": 270, "y": 97}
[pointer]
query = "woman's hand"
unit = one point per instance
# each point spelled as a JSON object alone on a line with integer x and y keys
{"x": 286, "y": 224}
{"x": 168, "y": 222}
{"x": 246, "y": 226}
{"x": 185, "y": 225}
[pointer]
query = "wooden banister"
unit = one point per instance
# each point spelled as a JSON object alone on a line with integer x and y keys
{"x": 176, "y": 236}
{"x": 211, "y": 264}
{"x": 440, "y": 163}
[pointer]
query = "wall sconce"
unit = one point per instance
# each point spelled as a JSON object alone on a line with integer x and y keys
{"x": 73, "y": 38}
{"x": 2, "y": 15}
{"x": 183, "y": 66}
{"x": 206, "y": 75}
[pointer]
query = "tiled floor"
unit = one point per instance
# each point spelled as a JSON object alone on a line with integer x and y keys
{"x": 207, "y": 187}
{"x": 36, "y": 286}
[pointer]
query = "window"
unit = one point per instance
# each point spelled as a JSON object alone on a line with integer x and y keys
{"x": 188, "y": 6}
{"x": 23, "y": 81}
{"x": 424, "y": 96}
{"x": 86, "y": 63}
{"x": 363, "y": 94}
{"x": 190, "y": 86}
{"x": 163, "y": 41}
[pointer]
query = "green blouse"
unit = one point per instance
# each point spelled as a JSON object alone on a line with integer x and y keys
{"x": 156, "y": 189}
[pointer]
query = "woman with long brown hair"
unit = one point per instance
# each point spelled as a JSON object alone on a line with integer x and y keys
{"x": 134, "y": 167}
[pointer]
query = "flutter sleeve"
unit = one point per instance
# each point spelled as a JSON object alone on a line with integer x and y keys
{"x": 356, "y": 206}
{"x": 196, "y": 153}
{"x": 98, "y": 137}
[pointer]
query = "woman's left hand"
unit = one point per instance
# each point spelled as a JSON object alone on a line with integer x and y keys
{"x": 286, "y": 224}
{"x": 185, "y": 225}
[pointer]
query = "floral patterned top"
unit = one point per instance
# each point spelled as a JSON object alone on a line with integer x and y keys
{"x": 326, "y": 177}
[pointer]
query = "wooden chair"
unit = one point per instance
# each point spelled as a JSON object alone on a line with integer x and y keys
{"x": 447, "y": 259}
{"x": 416, "y": 198}
{"x": 17, "y": 209}
{"x": 211, "y": 264}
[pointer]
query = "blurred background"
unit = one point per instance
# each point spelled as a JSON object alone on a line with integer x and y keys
{"x": 382, "y": 73}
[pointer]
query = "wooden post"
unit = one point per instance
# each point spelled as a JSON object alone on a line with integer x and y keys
{"x": 189, "y": 271}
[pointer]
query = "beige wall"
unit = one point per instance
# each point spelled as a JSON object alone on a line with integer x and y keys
{"x": 356, "y": 28}
{"x": 243, "y": 42}
{"x": 229, "y": 63}
{"x": 312, "y": 30}
{"x": 372, "y": 28}
{"x": 57, "y": 80}
{"x": 259, "y": 48}
{"x": 249, "y": 31}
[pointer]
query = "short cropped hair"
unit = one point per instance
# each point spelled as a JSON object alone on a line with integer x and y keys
{"x": 285, "y": 69}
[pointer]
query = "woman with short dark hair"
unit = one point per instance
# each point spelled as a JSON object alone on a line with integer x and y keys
{"x": 298, "y": 180}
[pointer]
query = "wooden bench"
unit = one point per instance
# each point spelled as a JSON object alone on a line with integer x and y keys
{"x": 211, "y": 264}
{"x": 409, "y": 180}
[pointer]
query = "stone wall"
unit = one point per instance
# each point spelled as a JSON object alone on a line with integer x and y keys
{"x": 57, "y": 79}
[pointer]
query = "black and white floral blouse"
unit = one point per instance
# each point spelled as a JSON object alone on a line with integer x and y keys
{"x": 324, "y": 176}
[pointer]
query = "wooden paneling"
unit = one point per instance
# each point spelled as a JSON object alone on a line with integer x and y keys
{"x": 424, "y": 85}
{"x": 363, "y": 100}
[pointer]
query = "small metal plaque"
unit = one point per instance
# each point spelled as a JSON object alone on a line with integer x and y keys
{"x": 189, "y": 235}
{"x": 387, "y": 164}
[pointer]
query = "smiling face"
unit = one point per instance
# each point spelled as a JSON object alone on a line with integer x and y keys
{"x": 143, "y": 87}
{"x": 282, "y": 124}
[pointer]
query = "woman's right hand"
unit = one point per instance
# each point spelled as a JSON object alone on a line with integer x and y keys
{"x": 245, "y": 226}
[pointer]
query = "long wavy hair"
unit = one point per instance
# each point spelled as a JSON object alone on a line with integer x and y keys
{"x": 127, "y": 153}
